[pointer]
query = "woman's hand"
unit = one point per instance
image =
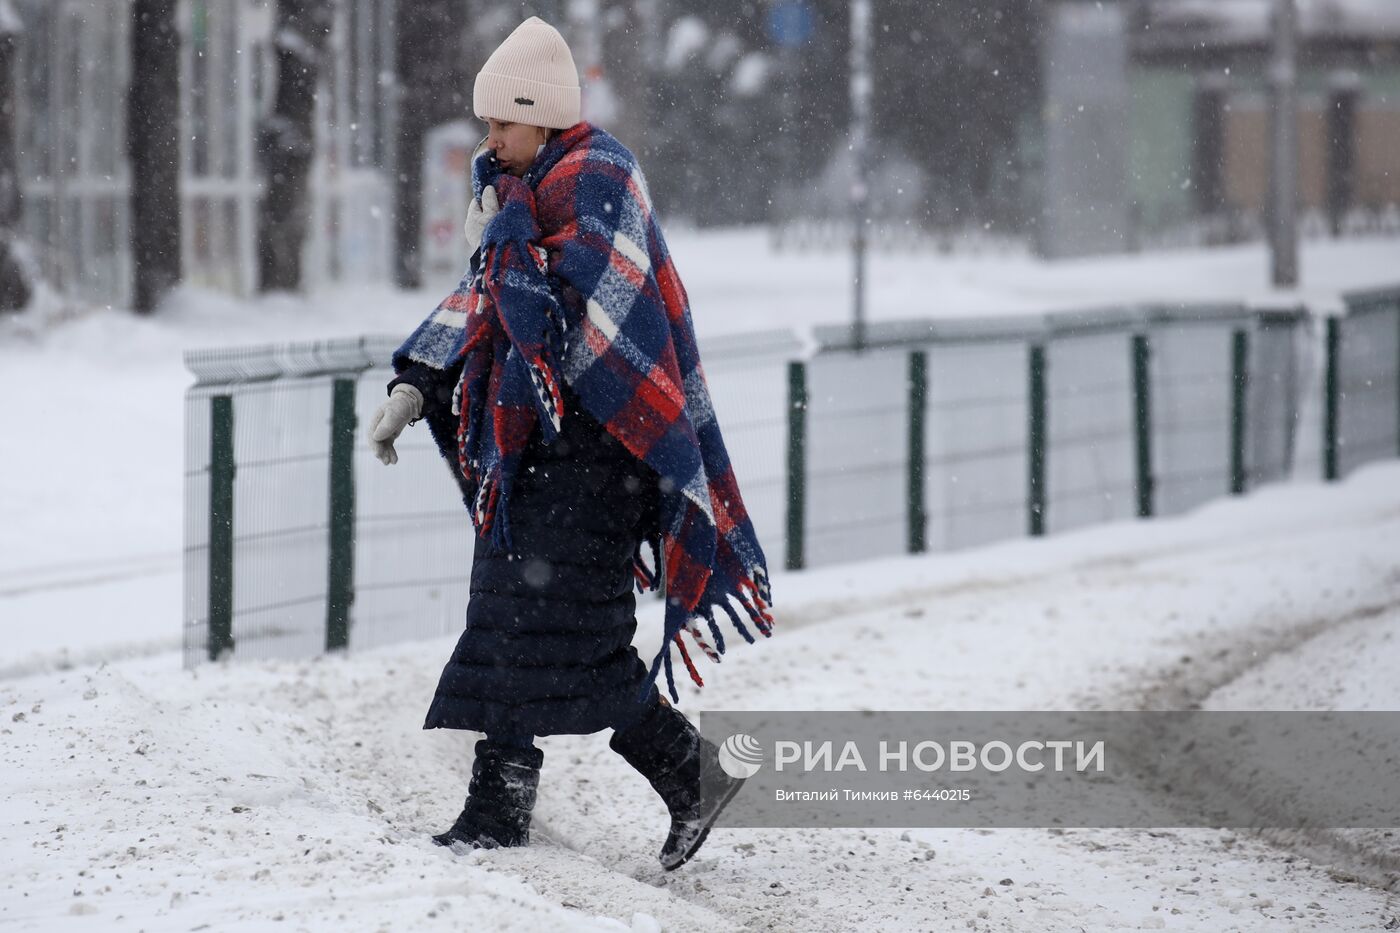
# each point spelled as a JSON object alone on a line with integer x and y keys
{"x": 404, "y": 405}
{"x": 479, "y": 214}
{"x": 514, "y": 217}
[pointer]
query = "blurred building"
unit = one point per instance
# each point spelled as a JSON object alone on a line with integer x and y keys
{"x": 1199, "y": 130}
{"x": 74, "y": 70}
{"x": 1156, "y": 130}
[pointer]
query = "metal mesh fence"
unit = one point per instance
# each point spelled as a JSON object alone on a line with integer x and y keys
{"x": 1190, "y": 398}
{"x": 269, "y": 428}
{"x": 975, "y": 459}
{"x": 1364, "y": 347}
{"x": 856, "y": 456}
{"x": 259, "y": 465}
{"x": 1089, "y": 458}
{"x": 747, "y": 377}
{"x": 413, "y": 540}
{"x": 1272, "y": 386}
{"x": 933, "y": 436}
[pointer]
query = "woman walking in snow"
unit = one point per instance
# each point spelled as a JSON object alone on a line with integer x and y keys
{"x": 562, "y": 383}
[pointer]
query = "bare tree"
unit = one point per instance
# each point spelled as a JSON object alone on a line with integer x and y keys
{"x": 15, "y": 289}
{"x": 434, "y": 88}
{"x": 153, "y": 146}
{"x": 286, "y": 140}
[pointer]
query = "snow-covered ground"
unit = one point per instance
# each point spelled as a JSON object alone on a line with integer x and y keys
{"x": 141, "y": 796}
{"x": 237, "y": 795}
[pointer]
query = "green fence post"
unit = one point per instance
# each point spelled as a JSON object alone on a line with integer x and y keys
{"x": 797, "y": 464}
{"x": 1142, "y": 422}
{"x": 1036, "y": 453}
{"x": 221, "y": 473}
{"x": 1239, "y": 407}
{"x": 1331, "y": 400}
{"x": 918, "y": 398}
{"x": 340, "y": 573}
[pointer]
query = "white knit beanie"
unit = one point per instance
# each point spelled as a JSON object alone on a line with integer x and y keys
{"x": 530, "y": 78}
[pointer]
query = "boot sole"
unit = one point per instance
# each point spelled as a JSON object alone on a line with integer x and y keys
{"x": 451, "y": 843}
{"x": 709, "y": 824}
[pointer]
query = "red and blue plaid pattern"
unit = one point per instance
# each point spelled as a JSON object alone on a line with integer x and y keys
{"x": 573, "y": 278}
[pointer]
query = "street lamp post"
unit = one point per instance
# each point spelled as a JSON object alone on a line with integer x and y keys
{"x": 860, "y": 156}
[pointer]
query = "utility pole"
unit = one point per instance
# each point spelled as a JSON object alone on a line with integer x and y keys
{"x": 391, "y": 94}
{"x": 1283, "y": 194}
{"x": 860, "y": 156}
{"x": 783, "y": 213}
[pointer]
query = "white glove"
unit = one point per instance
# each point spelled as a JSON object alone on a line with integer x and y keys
{"x": 404, "y": 405}
{"x": 479, "y": 214}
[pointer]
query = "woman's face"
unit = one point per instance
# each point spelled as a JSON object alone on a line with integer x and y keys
{"x": 515, "y": 144}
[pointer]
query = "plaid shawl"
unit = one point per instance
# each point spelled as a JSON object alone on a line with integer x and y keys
{"x": 573, "y": 276}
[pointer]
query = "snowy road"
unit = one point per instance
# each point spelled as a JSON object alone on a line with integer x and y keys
{"x": 141, "y": 796}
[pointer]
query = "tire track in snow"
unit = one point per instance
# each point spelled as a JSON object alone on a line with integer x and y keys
{"x": 1351, "y": 855}
{"x": 23, "y": 581}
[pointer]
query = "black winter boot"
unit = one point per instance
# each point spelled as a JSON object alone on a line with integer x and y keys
{"x": 683, "y": 767}
{"x": 500, "y": 798}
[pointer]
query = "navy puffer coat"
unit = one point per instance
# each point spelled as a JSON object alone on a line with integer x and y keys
{"x": 547, "y": 647}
